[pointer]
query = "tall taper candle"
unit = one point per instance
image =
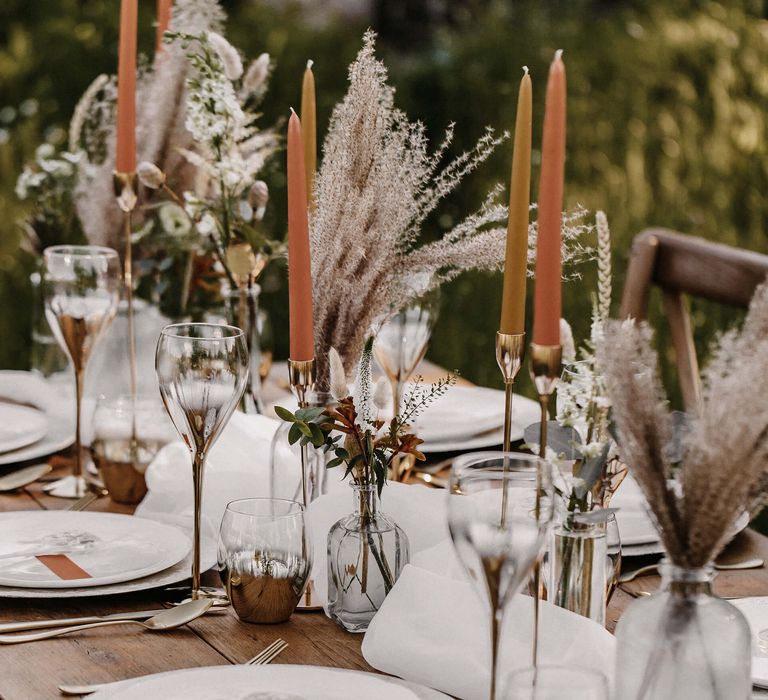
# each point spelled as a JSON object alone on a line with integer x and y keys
{"x": 302, "y": 345}
{"x": 547, "y": 289}
{"x": 516, "y": 261}
{"x": 309, "y": 129}
{"x": 163, "y": 20}
{"x": 126, "y": 88}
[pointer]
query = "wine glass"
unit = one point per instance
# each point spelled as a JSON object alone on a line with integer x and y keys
{"x": 81, "y": 286}
{"x": 264, "y": 557}
{"x": 202, "y": 369}
{"x": 500, "y": 509}
{"x": 555, "y": 683}
{"x": 402, "y": 339}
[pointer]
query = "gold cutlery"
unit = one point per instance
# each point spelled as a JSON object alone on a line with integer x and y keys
{"x": 263, "y": 657}
{"x": 23, "y": 477}
{"x": 167, "y": 620}
{"x": 755, "y": 563}
{"x": 94, "y": 493}
{"x": 7, "y": 627}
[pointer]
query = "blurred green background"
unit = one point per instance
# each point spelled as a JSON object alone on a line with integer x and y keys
{"x": 666, "y": 123}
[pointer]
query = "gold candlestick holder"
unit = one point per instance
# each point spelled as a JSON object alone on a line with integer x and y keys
{"x": 126, "y": 188}
{"x": 302, "y": 375}
{"x": 546, "y": 366}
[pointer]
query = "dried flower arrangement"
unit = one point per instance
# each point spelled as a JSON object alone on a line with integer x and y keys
{"x": 579, "y": 439}
{"x": 376, "y": 186}
{"x": 196, "y": 136}
{"x": 352, "y": 429}
{"x": 722, "y": 453}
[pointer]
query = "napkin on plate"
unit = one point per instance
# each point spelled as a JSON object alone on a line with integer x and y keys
{"x": 755, "y": 609}
{"x": 434, "y": 630}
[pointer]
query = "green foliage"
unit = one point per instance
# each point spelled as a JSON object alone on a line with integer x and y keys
{"x": 666, "y": 125}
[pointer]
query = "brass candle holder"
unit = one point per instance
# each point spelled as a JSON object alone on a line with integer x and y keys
{"x": 302, "y": 375}
{"x": 546, "y": 366}
{"x": 126, "y": 188}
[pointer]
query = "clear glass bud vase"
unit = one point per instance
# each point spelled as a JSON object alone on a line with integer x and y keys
{"x": 243, "y": 312}
{"x": 683, "y": 643}
{"x": 577, "y": 567}
{"x": 285, "y": 462}
{"x": 366, "y": 553}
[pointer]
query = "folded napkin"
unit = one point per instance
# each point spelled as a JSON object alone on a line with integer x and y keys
{"x": 434, "y": 630}
{"x": 237, "y": 467}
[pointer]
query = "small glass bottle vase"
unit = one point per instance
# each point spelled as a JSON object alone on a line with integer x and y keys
{"x": 683, "y": 643}
{"x": 366, "y": 553}
{"x": 577, "y": 563}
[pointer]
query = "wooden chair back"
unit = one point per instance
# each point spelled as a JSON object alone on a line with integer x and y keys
{"x": 686, "y": 265}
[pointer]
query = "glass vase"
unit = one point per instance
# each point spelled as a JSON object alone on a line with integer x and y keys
{"x": 683, "y": 643}
{"x": 366, "y": 553}
{"x": 285, "y": 462}
{"x": 577, "y": 563}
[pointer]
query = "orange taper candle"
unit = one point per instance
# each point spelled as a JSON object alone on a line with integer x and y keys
{"x": 299, "y": 266}
{"x": 163, "y": 20}
{"x": 309, "y": 130}
{"x": 126, "y": 88}
{"x": 547, "y": 290}
{"x": 516, "y": 261}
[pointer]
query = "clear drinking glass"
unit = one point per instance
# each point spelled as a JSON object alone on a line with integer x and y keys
{"x": 500, "y": 510}
{"x": 556, "y": 683}
{"x": 401, "y": 342}
{"x": 613, "y": 556}
{"x": 121, "y": 462}
{"x": 265, "y": 558}
{"x": 81, "y": 286}
{"x": 202, "y": 370}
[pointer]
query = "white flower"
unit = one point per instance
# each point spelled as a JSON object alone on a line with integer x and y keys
{"x": 382, "y": 394}
{"x": 339, "y": 389}
{"x": 43, "y": 151}
{"x": 566, "y": 342}
{"x": 256, "y": 75}
{"x": 206, "y": 225}
{"x": 591, "y": 450}
{"x": 258, "y": 197}
{"x": 230, "y": 59}
{"x": 174, "y": 220}
{"x": 150, "y": 175}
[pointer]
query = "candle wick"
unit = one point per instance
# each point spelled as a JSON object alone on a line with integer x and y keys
{"x": 310, "y": 63}
{"x": 293, "y": 111}
{"x": 525, "y": 70}
{"x": 558, "y": 54}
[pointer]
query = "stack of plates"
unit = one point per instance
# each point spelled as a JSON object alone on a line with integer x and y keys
{"x": 35, "y": 419}
{"x": 636, "y": 529}
{"x": 118, "y": 553}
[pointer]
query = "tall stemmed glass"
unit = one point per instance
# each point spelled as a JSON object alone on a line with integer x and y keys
{"x": 401, "y": 341}
{"x": 202, "y": 369}
{"x": 81, "y": 286}
{"x": 499, "y": 551}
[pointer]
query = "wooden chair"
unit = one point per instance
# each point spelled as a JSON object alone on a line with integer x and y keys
{"x": 686, "y": 265}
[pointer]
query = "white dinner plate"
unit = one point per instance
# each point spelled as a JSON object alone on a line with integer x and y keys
{"x": 54, "y": 400}
{"x": 20, "y": 426}
{"x": 112, "y": 548}
{"x": 755, "y": 609}
{"x": 277, "y": 682}
{"x": 176, "y": 574}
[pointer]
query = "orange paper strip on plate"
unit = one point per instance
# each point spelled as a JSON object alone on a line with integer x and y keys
{"x": 63, "y": 566}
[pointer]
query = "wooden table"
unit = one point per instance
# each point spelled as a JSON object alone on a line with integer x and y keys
{"x": 35, "y": 670}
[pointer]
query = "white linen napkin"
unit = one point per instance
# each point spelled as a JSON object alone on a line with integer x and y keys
{"x": 434, "y": 630}
{"x": 237, "y": 467}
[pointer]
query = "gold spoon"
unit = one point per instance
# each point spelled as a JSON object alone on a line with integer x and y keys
{"x": 167, "y": 620}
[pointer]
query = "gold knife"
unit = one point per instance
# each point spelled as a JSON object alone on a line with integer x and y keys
{"x": 69, "y": 621}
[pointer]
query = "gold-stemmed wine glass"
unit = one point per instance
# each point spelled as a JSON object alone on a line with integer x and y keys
{"x": 81, "y": 287}
{"x": 500, "y": 510}
{"x": 202, "y": 369}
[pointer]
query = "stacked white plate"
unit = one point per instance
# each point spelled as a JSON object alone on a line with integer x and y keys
{"x": 36, "y": 417}
{"x": 116, "y": 553}
{"x": 636, "y": 529}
